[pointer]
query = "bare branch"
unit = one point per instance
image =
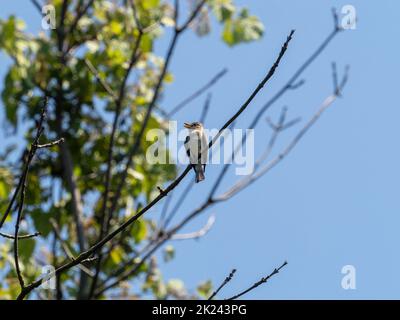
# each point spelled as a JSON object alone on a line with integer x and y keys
{"x": 27, "y": 236}
{"x": 335, "y": 19}
{"x": 104, "y": 84}
{"x": 176, "y": 14}
{"x": 50, "y": 144}
{"x": 277, "y": 129}
{"x": 135, "y": 16}
{"x": 31, "y": 154}
{"x": 37, "y": 5}
{"x": 297, "y": 85}
{"x": 205, "y": 108}
{"x": 66, "y": 248}
{"x": 258, "y": 283}
{"x": 335, "y": 78}
{"x": 197, "y": 234}
{"x": 227, "y": 279}
{"x": 192, "y": 16}
{"x": 164, "y": 210}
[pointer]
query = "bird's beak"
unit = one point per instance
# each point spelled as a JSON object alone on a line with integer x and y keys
{"x": 187, "y": 125}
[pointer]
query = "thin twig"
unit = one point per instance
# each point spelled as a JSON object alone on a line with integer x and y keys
{"x": 37, "y": 5}
{"x": 135, "y": 16}
{"x": 11, "y": 203}
{"x": 335, "y": 77}
{"x": 31, "y": 154}
{"x": 26, "y": 236}
{"x": 277, "y": 128}
{"x": 50, "y": 144}
{"x": 258, "y": 283}
{"x": 104, "y": 84}
{"x": 164, "y": 210}
{"x": 197, "y": 234}
{"x": 297, "y": 85}
{"x": 223, "y": 284}
{"x": 206, "y": 108}
{"x": 192, "y": 16}
{"x": 66, "y": 248}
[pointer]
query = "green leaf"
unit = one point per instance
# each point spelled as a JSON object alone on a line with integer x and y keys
{"x": 146, "y": 44}
{"x": 150, "y": 4}
{"x": 244, "y": 28}
{"x": 139, "y": 230}
{"x": 3, "y": 190}
{"x": 116, "y": 255}
{"x": 205, "y": 289}
{"x": 169, "y": 77}
{"x": 227, "y": 33}
{"x": 223, "y": 9}
{"x": 115, "y": 27}
{"x": 26, "y": 248}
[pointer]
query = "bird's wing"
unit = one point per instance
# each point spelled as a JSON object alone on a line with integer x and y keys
{"x": 204, "y": 144}
{"x": 187, "y": 146}
{"x": 199, "y": 147}
{"x": 193, "y": 147}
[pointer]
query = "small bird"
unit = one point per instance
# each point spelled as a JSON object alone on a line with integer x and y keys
{"x": 196, "y": 146}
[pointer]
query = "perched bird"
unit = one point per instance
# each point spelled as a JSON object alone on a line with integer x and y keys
{"x": 196, "y": 146}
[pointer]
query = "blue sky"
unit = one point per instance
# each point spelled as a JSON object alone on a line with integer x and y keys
{"x": 334, "y": 200}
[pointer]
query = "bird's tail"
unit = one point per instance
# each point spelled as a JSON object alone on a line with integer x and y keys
{"x": 199, "y": 173}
